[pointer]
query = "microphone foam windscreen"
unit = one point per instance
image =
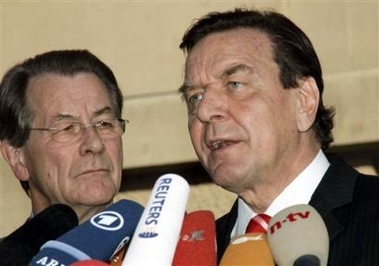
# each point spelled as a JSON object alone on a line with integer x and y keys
{"x": 248, "y": 249}
{"x": 297, "y": 231}
{"x": 104, "y": 234}
{"x": 158, "y": 230}
{"x": 20, "y": 246}
{"x": 197, "y": 242}
{"x": 89, "y": 263}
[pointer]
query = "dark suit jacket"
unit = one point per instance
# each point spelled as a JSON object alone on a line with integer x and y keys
{"x": 349, "y": 205}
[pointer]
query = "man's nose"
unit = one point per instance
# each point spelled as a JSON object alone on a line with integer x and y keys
{"x": 91, "y": 141}
{"x": 212, "y": 107}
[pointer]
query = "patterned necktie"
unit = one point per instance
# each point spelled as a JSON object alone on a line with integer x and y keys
{"x": 258, "y": 224}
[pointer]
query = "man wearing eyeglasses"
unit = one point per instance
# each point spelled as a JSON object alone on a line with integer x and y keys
{"x": 61, "y": 128}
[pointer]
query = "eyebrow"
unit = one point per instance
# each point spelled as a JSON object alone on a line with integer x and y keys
{"x": 184, "y": 88}
{"x": 234, "y": 69}
{"x": 99, "y": 112}
{"x": 105, "y": 110}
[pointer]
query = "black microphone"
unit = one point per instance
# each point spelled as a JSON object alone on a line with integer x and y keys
{"x": 22, "y": 245}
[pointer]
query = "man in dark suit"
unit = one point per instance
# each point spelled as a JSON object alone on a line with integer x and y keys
{"x": 60, "y": 133}
{"x": 253, "y": 87}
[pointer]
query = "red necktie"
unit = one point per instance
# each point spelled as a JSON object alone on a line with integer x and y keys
{"x": 258, "y": 224}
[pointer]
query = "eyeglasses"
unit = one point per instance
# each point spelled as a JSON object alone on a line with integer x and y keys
{"x": 72, "y": 131}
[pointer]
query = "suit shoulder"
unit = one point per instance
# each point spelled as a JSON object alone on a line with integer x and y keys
{"x": 367, "y": 188}
{"x": 368, "y": 180}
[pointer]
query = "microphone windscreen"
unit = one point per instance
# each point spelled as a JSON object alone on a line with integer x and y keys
{"x": 197, "y": 242}
{"x": 89, "y": 263}
{"x": 297, "y": 231}
{"x": 248, "y": 249}
{"x": 158, "y": 230}
{"x": 98, "y": 238}
{"x": 22, "y": 245}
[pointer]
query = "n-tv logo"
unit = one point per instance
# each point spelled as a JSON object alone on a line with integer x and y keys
{"x": 108, "y": 220}
{"x": 290, "y": 218}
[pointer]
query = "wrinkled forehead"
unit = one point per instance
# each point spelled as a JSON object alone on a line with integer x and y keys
{"x": 218, "y": 51}
{"x": 78, "y": 95}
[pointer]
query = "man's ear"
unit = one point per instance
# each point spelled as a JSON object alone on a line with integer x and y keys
{"x": 308, "y": 100}
{"x": 14, "y": 157}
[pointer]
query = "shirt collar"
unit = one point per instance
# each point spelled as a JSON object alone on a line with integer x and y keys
{"x": 299, "y": 191}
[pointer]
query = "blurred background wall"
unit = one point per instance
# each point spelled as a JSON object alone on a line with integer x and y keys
{"x": 139, "y": 41}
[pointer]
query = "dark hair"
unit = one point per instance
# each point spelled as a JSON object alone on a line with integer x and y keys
{"x": 293, "y": 52}
{"x": 16, "y": 116}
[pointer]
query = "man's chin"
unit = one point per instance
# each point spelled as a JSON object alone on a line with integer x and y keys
{"x": 97, "y": 200}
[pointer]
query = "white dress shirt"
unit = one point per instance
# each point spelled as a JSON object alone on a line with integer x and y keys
{"x": 299, "y": 191}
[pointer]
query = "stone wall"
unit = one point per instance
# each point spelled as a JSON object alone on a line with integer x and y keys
{"x": 139, "y": 41}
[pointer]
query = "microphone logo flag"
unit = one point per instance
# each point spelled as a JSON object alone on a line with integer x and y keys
{"x": 158, "y": 229}
{"x": 297, "y": 235}
{"x": 108, "y": 220}
{"x": 95, "y": 239}
{"x": 157, "y": 204}
{"x": 193, "y": 236}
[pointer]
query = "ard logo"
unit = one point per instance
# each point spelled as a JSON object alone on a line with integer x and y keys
{"x": 108, "y": 220}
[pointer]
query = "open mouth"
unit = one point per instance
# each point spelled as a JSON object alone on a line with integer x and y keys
{"x": 219, "y": 144}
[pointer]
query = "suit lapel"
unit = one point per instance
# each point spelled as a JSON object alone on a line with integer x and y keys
{"x": 224, "y": 227}
{"x": 335, "y": 190}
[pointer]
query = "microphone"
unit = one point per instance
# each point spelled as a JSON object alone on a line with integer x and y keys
{"x": 197, "y": 242}
{"x": 98, "y": 238}
{"x": 248, "y": 249}
{"x": 158, "y": 230}
{"x": 19, "y": 247}
{"x": 298, "y": 236}
{"x": 89, "y": 263}
{"x": 115, "y": 261}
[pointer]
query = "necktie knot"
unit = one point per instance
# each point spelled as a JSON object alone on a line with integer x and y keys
{"x": 258, "y": 224}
